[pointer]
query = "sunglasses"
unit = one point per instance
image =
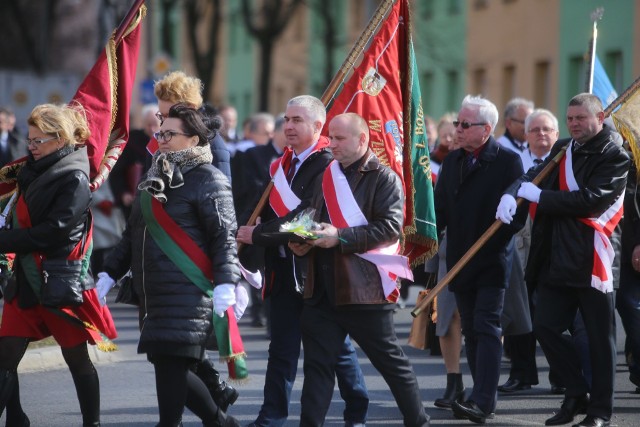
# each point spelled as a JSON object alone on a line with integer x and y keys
{"x": 466, "y": 125}
{"x": 167, "y": 135}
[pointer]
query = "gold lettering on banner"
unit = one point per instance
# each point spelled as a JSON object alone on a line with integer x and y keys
{"x": 426, "y": 165}
{"x": 419, "y": 127}
{"x": 375, "y": 125}
{"x": 380, "y": 151}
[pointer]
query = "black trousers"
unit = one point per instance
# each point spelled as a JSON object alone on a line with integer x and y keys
{"x": 323, "y": 333}
{"x": 522, "y": 349}
{"x": 555, "y": 313}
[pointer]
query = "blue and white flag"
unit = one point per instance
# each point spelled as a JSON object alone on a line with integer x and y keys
{"x": 602, "y": 87}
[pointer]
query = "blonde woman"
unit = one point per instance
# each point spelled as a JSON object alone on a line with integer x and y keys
{"x": 50, "y": 226}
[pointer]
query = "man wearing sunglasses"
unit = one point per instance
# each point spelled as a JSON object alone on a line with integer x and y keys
{"x": 471, "y": 182}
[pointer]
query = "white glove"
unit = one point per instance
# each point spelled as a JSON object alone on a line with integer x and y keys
{"x": 529, "y": 191}
{"x": 506, "y": 208}
{"x": 224, "y": 296}
{"x": 242, "y": 300}
{"x": 104, "y": 285}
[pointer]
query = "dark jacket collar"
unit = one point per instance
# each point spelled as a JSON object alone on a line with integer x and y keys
{"x": 368, "y": 162}
{"x": 488, "y": 153}
{"x": 598, "y": 143}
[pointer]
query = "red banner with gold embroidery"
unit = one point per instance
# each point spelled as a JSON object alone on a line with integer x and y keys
{"x": 384, "y": 89}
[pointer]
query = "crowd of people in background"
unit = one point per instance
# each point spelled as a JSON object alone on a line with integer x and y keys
{"x": 536, "y": 281}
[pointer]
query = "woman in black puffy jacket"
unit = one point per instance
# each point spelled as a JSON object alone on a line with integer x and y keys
{"x": 181, "y": 229}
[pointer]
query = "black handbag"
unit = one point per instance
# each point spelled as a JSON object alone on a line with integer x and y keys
{"x": 61, "y": 283}
{"x": 126, "y": 294}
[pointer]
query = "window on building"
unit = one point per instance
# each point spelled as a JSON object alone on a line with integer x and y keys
{"x": 479, "y": 81}
{"x": 427, "y": 86}
{"x": 577, "y": 76}
{"x": 427, "y": 8}
{"x": 453, "y": 97}
{"x": 541, "y": 84}
{"x": 454, "y": 7}
{"x": 508, "y": 83}
{"x": 613, "y": 67}
{"x": 233, "y": 34}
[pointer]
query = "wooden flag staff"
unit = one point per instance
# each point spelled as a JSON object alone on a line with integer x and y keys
{"x": 496, "y": 225}
{"x": 481, "y": 241}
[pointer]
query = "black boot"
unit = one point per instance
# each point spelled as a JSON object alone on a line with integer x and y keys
{"x": 223, "y": 394}
{"x": 223, "y": 420}
{"x": 15, "y": 415}
{"x": 88, "y": 390}
{"x": 453, "y": 393}
{"x": 8, "y": 380}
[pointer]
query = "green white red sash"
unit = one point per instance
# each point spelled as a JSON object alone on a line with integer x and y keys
{"x": 603, "y": 226}
{"x": 344, "y": 212}
{"x": 196, "y": 265}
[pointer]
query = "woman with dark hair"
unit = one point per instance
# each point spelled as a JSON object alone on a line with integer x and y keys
{"x": 180, "y": 246}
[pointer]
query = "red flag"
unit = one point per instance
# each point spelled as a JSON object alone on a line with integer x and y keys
{"x": 384, "y": 89}
{"x": 105, "y": 94}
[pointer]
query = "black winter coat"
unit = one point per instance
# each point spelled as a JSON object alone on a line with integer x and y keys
{"x": 561, "y": 246}
{"x": 176, "y": 316}
{"x": 466, "y": 206}
{"x": 56, "y": 191}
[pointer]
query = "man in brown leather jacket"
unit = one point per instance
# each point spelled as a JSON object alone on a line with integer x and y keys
{"x": 345, "y": 293}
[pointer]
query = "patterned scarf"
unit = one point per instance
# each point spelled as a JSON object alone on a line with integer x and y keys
{"x": 166, "y": 168}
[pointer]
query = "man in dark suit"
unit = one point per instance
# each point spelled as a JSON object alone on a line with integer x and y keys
{"x": 470, "y": 184}
{"x": 12, "y": 145}
{"x": 295, "y": 174}
{"x": 255, "y": 171}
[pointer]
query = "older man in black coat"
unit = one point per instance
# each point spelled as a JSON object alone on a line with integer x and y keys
{"x": 471, "y": 183}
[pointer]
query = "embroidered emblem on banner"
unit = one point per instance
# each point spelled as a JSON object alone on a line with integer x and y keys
{"x": 372, "y": 82}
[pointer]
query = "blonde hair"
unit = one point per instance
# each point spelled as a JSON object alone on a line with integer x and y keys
{"x": 177, "y": 87}
{"x": 67, "y": 122}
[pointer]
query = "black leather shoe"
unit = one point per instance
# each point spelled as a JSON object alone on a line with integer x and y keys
{"x": 591, "y": 421}
{"x": 570, "y": 407}
{"x": 557, "y": 389}
{"x": 513, "y": 385}
{"x": 468, "y": 410}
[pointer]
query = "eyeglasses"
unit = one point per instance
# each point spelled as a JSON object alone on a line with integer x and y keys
{"x": 543, "y": 130}
{"x": 516, "y": 120}
{"x": 466, "y": 125}
{"x": 160, "y": 117}
{"x": 167, "y": 135}
{"x": 39, "y": 141}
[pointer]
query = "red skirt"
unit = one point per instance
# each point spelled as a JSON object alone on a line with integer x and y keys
{"x": 39, "y": 322}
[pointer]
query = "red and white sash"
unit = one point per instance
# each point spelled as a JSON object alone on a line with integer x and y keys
{"x": 345, "y": 212}
{"x": 281, "y": 198}
{"x": 603, "y": 254}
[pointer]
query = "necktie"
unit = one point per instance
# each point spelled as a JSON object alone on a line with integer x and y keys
{"x": 292, "y": 169}
{"x": 537, "y": 161}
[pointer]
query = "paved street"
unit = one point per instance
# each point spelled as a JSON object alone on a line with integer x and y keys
{"x": 128, "y": 391}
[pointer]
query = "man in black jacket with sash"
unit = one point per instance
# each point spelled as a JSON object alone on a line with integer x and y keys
{"x": 294, "y": 176}
{"x": 579, "y": 204}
